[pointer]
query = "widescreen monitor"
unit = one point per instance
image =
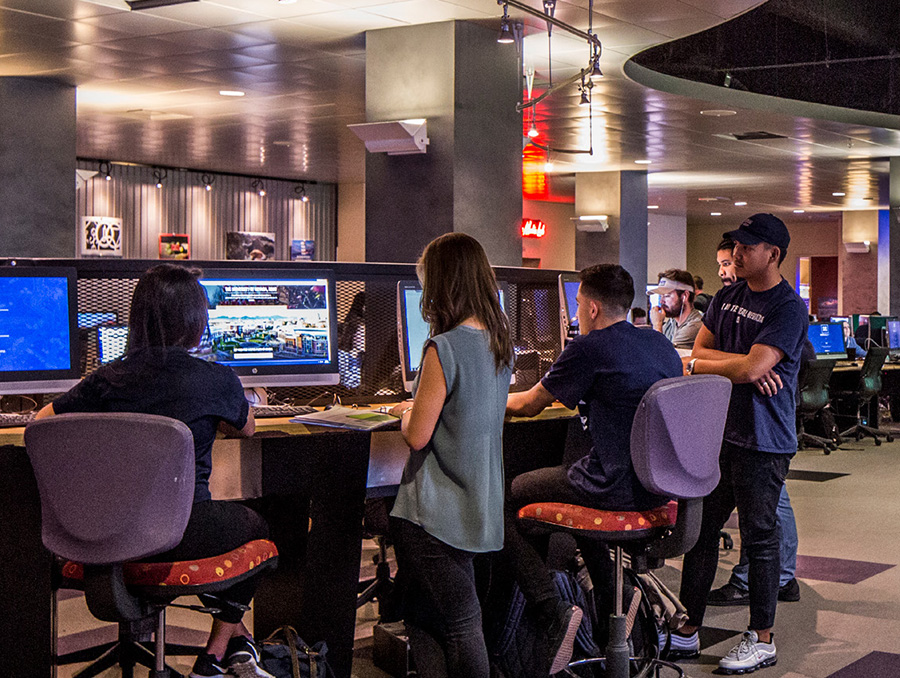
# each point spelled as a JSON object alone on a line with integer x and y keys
{"x": 893, "y": 335}
{"x": 413, "y": 331}
{"x": 273, "y": 327}
{"x": 840, "y": 319}
{"x": 38, "y": 330}
{"x": 828, "y": 340}
{"x": 112, "y": 341}
{"x": 568, "y": 306}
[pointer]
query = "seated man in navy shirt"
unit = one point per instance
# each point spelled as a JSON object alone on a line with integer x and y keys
{"x": 604, "y": 372}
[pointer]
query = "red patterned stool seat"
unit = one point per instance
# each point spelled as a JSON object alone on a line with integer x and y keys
{"x": 600, "y": 524}
{"x": 186, "y": 577}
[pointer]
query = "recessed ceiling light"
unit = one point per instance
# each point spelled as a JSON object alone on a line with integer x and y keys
{"x": 231, "y": 93}
{"x": 740, "y": 203}
{"x": 718, "y": 112}
{"x": 838, "y": 194}
{"x": 642, "y": 162}
{"x": 799, "y": 211}
{"x": 715, "y": 214}
{"x": 652, "y": 207}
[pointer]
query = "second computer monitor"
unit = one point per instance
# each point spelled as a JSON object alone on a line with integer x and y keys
{"x": 893, "y": 335}
{"x": 568, "y": 306}
{"x": 828, "y": 340}
{"x": 413, "y": 331}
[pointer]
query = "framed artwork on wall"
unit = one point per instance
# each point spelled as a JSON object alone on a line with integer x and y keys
{"x": 101, "y": 237}
{"x": 249, "y": 245}
{"x": 174, "y": 246}
{"x": 303, "y": 250}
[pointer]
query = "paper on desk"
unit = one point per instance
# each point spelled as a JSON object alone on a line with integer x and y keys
{"x": 347, "y": 417}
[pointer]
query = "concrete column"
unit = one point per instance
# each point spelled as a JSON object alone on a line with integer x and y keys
{"x": 889, "y": 248}
{"x": 466, "y": 85}
{"x": 622, "y": 196}
{"x": 37, "y": 168}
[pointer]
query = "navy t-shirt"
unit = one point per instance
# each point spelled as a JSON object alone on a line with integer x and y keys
{"x": 610, "y": 370}
{"x": 738, "y": 317}
{"x": 197, "y": 392}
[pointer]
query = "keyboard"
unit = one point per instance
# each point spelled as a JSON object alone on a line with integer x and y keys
{"x": 8, "y": 420}
{"x": 263, "y": 411}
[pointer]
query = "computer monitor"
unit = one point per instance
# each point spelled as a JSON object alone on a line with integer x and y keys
{"x": 840, "y": 319}
{"x": 893, "y": 335}
{"x": 112, "y": 340}
{"x": 91, "y": 320}
{"x": 273, "y": 327}
{"x": 568, "y": 306}
{"x": 413, "y": 331}
{"x": 38, "y": 330}
{"x": 828, "y": 340}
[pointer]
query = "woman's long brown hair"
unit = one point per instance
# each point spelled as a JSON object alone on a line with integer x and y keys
{"x": 458, "y": 283}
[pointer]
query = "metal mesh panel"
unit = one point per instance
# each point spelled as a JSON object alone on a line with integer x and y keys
{"x": 367, "y": 347}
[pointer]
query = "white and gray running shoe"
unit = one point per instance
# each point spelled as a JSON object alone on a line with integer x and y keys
{"x": 748, "y": 655}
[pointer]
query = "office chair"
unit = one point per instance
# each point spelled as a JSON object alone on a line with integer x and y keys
{"x": 116, "y": 488}
{"x": 675, "y": 454}
{"x": 812, "y": 398}
{"x": 869, "y": 387}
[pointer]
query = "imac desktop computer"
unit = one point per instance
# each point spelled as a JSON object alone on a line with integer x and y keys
{"x": 39, "y": 347}
{"x": 413, "y": 331}
{"x": 273, "y": 327}
{"x": 568, "y": 306}
{"x": 828, "y": 340}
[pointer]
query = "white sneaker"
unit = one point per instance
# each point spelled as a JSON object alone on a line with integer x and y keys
{"x": 748, "y": 655}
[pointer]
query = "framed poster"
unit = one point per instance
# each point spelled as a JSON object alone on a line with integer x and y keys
{"x": 101, "y": 237}
{"x": 174, "y": 246}
{"x": 303, "y": 250}
{"x": 249, "y": 245}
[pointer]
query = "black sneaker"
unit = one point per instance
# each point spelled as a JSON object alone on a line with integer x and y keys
{"x": 790, "y": 592}
{"x": 728, "y": 595}
{"x": 561, "y": 634}
{"x": 207, "y": 666}
{"x": 243, "y": 659}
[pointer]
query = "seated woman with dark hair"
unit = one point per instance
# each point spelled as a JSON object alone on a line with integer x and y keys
{"x": 157, "y": 375}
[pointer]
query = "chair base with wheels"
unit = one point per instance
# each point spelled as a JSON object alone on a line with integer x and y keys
{"x": 153, "y": 586}
{"x": 637, "y": 533}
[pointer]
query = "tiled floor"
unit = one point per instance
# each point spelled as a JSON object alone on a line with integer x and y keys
{"x": 847, "y": 622}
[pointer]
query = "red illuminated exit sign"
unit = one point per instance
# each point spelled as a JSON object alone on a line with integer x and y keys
{"x": 533, "y": 228}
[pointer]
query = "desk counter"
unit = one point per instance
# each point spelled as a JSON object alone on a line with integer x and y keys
{"x": 309, "y": 482}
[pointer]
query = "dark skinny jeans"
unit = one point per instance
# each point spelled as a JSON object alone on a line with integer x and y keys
{"x": 441, "y": 606}
{"x": 751, "y": 482}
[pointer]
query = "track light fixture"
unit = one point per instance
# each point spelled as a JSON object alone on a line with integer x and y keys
{"x": 160, "y": 175}
{"x": 258, "y": 186}
{"x": 208, "y": 181}
{"x": 300, "y": 190}
{"x": 506, "y": 36}
{"x": 105, "y": 168}
{"x": 533, "y": 130}
{"x": 596, "y": 73}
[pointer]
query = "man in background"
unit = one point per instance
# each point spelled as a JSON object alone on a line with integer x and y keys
{"x": 725, "y": 260}
{"x": 701, "y": 298}
{"x": 676, "y": 316}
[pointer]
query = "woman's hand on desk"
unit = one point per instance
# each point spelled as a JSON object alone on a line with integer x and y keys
{"x": 398, "y": 409}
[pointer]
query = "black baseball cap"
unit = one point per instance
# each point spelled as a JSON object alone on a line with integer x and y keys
{"x": 759, "y": 228}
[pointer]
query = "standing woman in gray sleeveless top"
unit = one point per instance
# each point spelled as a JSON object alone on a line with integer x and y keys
{"x": 450, "y": 502}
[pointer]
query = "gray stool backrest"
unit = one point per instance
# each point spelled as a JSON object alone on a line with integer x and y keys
{"x": 677, "y": 434}
{"x": 114, "y": 487}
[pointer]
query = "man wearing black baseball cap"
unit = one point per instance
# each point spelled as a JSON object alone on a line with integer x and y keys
{"x": 752, "y": 333}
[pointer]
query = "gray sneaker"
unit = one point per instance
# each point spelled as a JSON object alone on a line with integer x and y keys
{"x": 748, "y": 655}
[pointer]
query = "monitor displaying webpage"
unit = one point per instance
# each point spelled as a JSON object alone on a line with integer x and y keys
{"x": 35, "y": 330}
{"x": 263, "y": 322}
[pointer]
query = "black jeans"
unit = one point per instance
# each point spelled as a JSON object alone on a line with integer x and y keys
{"x": 441, "y": 606}
{"x": 752, "y": 482}
{"x": 217, "y": 527}
{"x": 523, "y": 554}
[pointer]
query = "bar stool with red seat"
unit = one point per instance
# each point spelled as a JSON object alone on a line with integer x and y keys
{"x": 675, "y": 440}
{"x": 116, "y": 488}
